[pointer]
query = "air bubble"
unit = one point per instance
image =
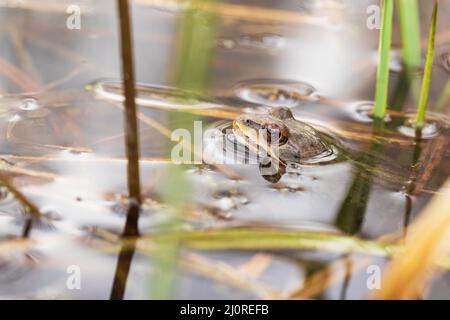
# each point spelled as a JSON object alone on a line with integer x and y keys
{"x": 29, "y": 104}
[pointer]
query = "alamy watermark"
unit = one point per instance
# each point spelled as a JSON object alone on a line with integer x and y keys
{"x": 73, "y": 281}
{"x": 73, "y": 21}
{"x": 373, "y": 21}
{"x": 373, "y": 281}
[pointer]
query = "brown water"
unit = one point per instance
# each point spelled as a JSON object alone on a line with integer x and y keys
{"x": 62, "y": 145}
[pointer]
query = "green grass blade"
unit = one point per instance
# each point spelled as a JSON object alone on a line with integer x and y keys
{"x": 254, "y": 239}
{"x": 191, "y": 65}
{"x": 382, "y": 85}
{"x": 272, "y": 239}
{"x": 425, "y": 91}
{"x": 410, "y": 32}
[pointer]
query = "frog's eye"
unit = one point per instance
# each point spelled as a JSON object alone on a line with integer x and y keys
{"x": 248, "y": 122}
{"x": 276, "y": 133}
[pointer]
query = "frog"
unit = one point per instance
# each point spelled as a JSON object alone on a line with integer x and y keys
{"x": 279, "y": 139}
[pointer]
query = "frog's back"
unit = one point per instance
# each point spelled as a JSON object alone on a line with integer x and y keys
{"x": 305, "y": 144}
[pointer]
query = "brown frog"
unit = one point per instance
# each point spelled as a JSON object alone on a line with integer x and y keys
{"x": 278, "y": 136}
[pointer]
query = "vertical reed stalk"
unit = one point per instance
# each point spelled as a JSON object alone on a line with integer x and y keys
{"x": 191, "y": 64}
{"x": 131, "y": 126}
{"x": 408, "y": 12}
{"x": 132, "y": 152}
{"x": 425, "y": 91}
{"x": 382, "y": 85}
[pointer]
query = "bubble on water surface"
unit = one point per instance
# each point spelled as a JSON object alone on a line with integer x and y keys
{"x": 262, "y": 41}
{"x": 230, "y": 198}
{"x": 275, "y": 93}
{"x": 28, "y": 108}
{"x": 430, "y": 129}
{"x": 363, "y": 111}
{"x": 29, "y": 104}
{"x": 226, "y": 43}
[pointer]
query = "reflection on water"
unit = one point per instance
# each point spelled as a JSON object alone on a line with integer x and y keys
{"x": 64, "y": 149}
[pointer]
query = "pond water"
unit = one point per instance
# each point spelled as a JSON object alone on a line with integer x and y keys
{"x": 62, "y": 146}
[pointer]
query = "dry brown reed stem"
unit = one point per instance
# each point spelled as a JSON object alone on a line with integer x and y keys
{"x": 33, "y": 209}
{"x": 131, "y": 126}
{"x": 428, "y": 242}
{"x": 26, "y": 59}
{"x": 19, "y": 78}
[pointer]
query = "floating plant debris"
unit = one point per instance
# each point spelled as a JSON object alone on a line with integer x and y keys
{"x": 263, "y": 41}
{"x": 283, "y": 93}
{"x": 151, "y": 95}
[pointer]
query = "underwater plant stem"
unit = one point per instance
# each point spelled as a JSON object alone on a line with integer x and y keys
{"x": 131, "y": 126}
{"x": 382, "y": 85}
{"x": 425, "y": 91}
{"x": 410, "y": 32}
{"x": 126, "y": 254}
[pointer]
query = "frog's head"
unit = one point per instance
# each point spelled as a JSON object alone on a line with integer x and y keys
{"x": 254, "y": 127}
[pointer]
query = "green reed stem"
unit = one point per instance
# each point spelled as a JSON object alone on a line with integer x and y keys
{"x": 131, "y": 126}
{"x": 191, "y": 65}
{"x": 425, "y": 91}
{"x": 410, "y": 32}
{"x": 175, "y": 191}
{"x": 382, "y": 86}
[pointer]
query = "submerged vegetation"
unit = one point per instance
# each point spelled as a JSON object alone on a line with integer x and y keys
{"x": 375, "y": 204}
